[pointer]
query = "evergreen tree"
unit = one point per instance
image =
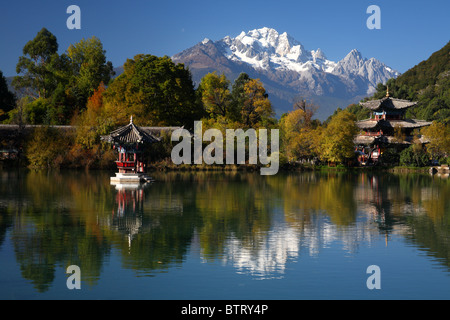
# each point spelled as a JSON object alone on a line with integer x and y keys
{"x": 89, "y": 68}
{"x": 7, "y": 98}
{"x": 59, "y": 84}
{"x": 238, "y": 96}
{"x": 156, "y": 92}
{"x": 359, "y": 111}
{"x": 35, "y": 67}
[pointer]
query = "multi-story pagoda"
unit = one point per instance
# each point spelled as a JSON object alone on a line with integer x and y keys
{"x": 130, "y": 141}
{"x": 387, "y": 126}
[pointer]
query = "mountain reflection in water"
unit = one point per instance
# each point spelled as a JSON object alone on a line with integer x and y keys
{"x": 256, "y": 224}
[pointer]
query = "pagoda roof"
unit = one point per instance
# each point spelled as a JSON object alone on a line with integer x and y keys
{"x": 130, "y": 134}
{"x": 388, "y": 103}
{"x": 408, "y": 123}
{"x": 368, "y": 140}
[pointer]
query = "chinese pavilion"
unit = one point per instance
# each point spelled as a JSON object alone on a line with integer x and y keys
{"x": 130, "y": 141}
{"x": 386, "y": 126}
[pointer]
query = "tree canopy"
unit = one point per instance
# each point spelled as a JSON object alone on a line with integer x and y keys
{"x": 257, "y": 108}
{"x": 59, "y": 85}
{"x": 37, "y": 67}
{"x": 89, "y": 68}
{"x": 215, "y": 93}
{"x": 337, "y": 138}
{"x": 156, "y": 91}
{"x": 7, "y": 98}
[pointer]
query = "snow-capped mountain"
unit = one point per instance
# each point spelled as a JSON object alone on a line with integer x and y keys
{"x": 287, "y": 69}
{"x": 265, "y": 49}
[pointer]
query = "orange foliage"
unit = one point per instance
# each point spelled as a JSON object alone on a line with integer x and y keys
{"x": 95, "y": 101}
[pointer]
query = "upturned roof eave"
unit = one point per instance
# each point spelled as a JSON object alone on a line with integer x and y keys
{"x": 130, "y": 134}
{"x": 409, "y": 124}
{"x": 384, "y": 103}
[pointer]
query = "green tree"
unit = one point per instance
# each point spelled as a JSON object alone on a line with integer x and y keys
{"x": 60, "y": 84}
{"x": 414, "y": 156}
{"x": 359, "y": 111}
{"x": 156, "y": 92}
{"x": 60, "y": 107}
{"x": 390, "y": 156}
{"x": 238, "y": 96}
{"x": 35, "y": 67}
{"x": 7, "y": 98}
{"x": 36, "y": 111}
{"x": 89, "y": 68}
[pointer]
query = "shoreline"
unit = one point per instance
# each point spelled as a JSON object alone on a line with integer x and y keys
{"x": 164, "y": 166}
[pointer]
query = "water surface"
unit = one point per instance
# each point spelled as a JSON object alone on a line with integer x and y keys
{"x": 218, "y": 235}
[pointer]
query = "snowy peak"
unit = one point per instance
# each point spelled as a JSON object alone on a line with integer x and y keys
{"x": 265, "y": 48}
{"x": 318, "y": 55}
{"x": 269, "y": 39}
{"x": 354, "y": 55}
{"x": 260, "y": 44}
{"x": 371, "y": 70}
{"x": 352, "y": 62}
{"x": 286, "y": 67}
{"x": 206, "y": 40}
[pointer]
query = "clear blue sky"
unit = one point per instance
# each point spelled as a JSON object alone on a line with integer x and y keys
{"x": 410, "y": 30}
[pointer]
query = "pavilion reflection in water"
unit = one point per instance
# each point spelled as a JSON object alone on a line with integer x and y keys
{"x": 386, "y": 208}
{"x": 128, "y": 210}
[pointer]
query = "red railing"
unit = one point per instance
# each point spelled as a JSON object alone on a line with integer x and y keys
{"x": 125, "y": 164}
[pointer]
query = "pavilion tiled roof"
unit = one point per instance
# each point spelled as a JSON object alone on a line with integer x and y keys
{"x": 367, "y": 124}
{"x": 361, "y": 139}
{"x": 407, "y": 123}
{"x": 388, "y": 103}
{"x": 130, "y": 134}
{"x": 368, "y": 140}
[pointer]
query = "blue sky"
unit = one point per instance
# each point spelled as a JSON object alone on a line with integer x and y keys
{"x": 410, "y": 30}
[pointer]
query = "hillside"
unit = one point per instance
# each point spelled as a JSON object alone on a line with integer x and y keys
{"x": 428, "y": 83}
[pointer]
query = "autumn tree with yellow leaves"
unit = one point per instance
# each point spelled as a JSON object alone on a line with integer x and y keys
{"x": 438, "y": 135}
{"x": 336, "y": 142}
{"x": 257, "y": 109}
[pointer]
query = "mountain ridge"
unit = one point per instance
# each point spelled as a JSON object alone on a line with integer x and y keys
{"x": 287, "y": 69}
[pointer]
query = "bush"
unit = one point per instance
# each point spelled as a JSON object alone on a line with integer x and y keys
{"x": 414, "y": 156}
{"x": 390, "y": 157}
{"x": 47, "y": 148}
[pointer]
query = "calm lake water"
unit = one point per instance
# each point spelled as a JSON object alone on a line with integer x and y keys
{"x": 222, "y": 235}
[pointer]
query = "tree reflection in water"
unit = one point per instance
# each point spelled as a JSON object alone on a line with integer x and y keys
{"x": 256, "y": 224}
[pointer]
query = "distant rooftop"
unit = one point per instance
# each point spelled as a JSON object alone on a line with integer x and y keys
{"x": 388, "y": 103}
{"x": 130, "y": 134}
{"x": 407, "y": 123}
